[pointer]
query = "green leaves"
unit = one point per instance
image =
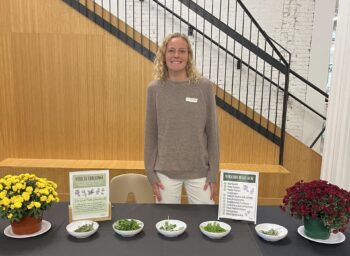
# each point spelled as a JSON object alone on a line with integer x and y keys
{"x": 126, "y": 224}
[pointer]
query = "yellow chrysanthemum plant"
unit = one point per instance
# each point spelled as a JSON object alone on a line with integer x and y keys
{"x": 26, "y": 195}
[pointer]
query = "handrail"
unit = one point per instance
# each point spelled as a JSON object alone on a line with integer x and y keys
{"x": 236, "y": 36}
{"x": 310, "y": 84}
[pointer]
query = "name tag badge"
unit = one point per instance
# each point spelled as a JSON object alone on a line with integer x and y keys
{"x": 193, "y": 100}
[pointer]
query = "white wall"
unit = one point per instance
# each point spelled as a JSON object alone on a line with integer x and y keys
{"x": 318, "y": 71}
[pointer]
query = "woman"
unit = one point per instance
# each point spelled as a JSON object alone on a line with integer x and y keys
{"x": 181, "y": 134}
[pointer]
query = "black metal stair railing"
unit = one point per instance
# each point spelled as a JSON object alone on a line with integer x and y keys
{"x": 256, "y": 91}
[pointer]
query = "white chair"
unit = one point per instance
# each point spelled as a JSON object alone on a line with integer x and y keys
{"x": 137, "y": 184}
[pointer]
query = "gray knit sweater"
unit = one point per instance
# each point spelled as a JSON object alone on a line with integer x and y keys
{"x": 181, "y": 133}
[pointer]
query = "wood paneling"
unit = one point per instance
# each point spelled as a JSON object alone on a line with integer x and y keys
{"x": 70, "y": 90}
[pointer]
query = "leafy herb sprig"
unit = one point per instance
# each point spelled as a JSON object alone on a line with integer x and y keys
{"x": 168, "y": 226}
{"x": 126, "y": 225}
{"x": 214, "y": 228}
{"x": 85, "y": 228}
{"x": 270, "y": 232}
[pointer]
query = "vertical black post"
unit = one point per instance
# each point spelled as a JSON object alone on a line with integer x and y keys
{"x": 149, "y": 29}
{"x": 164, "y": 20}
{"x": 172, "y": 18}
{"x": 211, "y": 40}
{"x": 218, "y": 64}
{"x": 195, "y": 40}
{"x": 240, "y": 71}
{"x": 203, "y": 43}
{"x": 233, "y": 58}
{"x": 284, "y": 113}
{"x": 133, "y": 22}
{"x": 228, "y": 16}
{"x": 256, "y": 75}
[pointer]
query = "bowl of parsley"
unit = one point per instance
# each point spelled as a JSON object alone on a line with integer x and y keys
{"x": 82, "y": 228}
{"x": 128, "y": 227}
{"x": 215, "y": 229}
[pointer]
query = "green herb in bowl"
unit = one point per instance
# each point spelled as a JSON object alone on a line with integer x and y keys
{"x": 85, "y": 228}
{"x": 126, "y": 225}
{"x": 169, "y": 227}
{"x": 270, "y": 232}
{"x": 214, "y": 228}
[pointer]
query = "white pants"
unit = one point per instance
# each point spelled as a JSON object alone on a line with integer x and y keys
{"x": 171, "y": 194}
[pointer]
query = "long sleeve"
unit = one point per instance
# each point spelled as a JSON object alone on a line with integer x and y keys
{"x": 151, "y": 136}
{"x": 213, "y": 137}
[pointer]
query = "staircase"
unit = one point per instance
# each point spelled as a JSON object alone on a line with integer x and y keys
{"x": 252, "y": 71}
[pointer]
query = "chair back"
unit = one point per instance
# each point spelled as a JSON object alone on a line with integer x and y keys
{"x": 122, "y": 185}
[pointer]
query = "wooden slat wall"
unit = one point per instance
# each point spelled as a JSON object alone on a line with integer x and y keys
{"x": 70, "y": 90}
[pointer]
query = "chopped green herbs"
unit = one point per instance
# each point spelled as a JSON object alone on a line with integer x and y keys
{"x": 270, "y": 232}
{"x": 85, "y": 228}
{"x": 213, "y": 227}
{"x": 168, "y": 226}
{"x": 126, "y": 225}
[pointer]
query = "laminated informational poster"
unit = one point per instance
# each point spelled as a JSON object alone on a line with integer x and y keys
{"x": 89, "y": 194}
{"x": 238, "y": 197}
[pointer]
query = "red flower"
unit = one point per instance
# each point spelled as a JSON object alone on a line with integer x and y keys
{"x": 319, "y": 199}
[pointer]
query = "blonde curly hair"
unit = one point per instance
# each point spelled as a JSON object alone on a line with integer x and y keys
{"x": 160, "y": 71}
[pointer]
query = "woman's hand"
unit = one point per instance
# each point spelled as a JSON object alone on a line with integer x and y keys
{"x": 213, "y": 190}
{"x": 156, "y": 190}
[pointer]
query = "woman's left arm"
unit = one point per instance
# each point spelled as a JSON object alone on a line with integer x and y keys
{"x": 212, "y": 132}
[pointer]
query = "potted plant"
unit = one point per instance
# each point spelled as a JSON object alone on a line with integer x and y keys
{"x": 23, "y": 200}
{"x": 324, "y": 207}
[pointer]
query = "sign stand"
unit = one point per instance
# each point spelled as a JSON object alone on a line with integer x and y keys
{"x": 89, "y": 196}
{"x": 109, "y": 217}
{"x": 238, "y": 197}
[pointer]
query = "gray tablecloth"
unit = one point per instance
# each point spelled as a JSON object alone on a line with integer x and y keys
{"x": 241, "y": 241}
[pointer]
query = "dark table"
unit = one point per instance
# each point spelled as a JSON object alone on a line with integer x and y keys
{"x": 241, "y": 241}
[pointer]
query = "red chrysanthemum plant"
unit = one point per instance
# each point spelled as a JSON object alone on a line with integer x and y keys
{"x": 321, "y": 200}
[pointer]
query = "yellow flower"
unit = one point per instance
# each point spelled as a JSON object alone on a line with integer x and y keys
{"x": 10, "y": 216}
{"x": 19, "y": 185}
{"x": 44, "y": 191}
{"x": 25, "y": 196}
{"x": 40, "y": 184}
{"x": 5, "y": 201}
{"x": 37, "y": 204}
{"x": 30, "y": 206}
{"x": 43, "y": 198}
{"x": 29, "y": 189}
{"x": 18, "y": 205}
{"x": 3, "y": 194}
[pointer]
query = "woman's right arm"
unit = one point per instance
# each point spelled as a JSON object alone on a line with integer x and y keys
{"x": 151, "y": 135}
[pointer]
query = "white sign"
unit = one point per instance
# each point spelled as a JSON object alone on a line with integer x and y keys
{"x": 89, "y": 194}
{"x": 238, "y": 197}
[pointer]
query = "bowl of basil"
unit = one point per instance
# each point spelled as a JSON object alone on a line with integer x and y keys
{"x": 127, "y": 227}
{"x": 82, "y": 228}
{"x": 215, "y": 229}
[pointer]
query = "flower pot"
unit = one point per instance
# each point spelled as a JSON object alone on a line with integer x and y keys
{"x": 315, "y": 228}
{"x": 27, "y": 225}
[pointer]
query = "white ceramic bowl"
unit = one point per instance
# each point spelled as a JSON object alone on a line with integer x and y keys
{"x": 128, "y": 233}
{"x": 71, "y": 227}
{"x": 215, "y": 235}
{"x": 178, "y": 230}
{"x": 282, "y": 231}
